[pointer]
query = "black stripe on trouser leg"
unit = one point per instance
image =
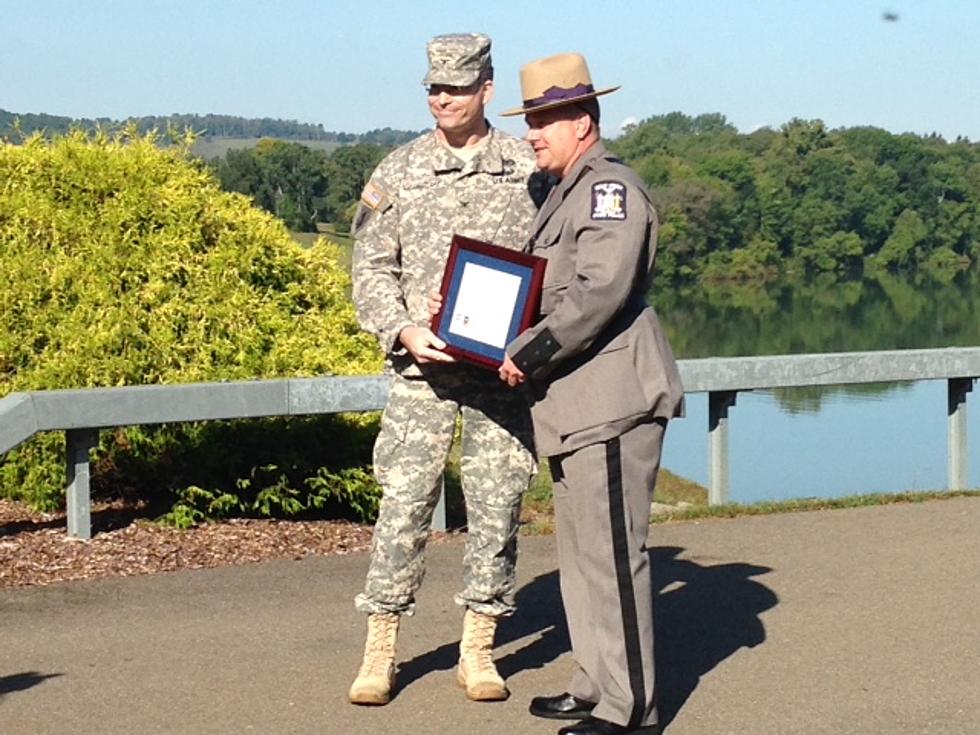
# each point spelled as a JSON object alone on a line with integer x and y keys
{"x": 624, "y": 579}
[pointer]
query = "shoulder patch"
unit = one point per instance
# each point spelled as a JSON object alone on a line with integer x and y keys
{"x": 374, "y": 197}
{"x": 609, "y": 200}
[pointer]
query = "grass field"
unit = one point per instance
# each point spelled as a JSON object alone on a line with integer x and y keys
{"x": 208, "y": 147}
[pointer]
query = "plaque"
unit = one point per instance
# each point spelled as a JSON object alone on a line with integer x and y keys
{"x": 490, "y": 294}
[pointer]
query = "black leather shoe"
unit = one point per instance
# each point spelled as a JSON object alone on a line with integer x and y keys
{"x": 595, "y": 726}
{"x": 561, "y": 707}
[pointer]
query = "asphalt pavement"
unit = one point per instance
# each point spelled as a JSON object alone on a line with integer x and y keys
{"x": 860, "y": 621}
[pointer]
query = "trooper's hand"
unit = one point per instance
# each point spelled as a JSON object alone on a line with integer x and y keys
{"x": 510, "y": 373}
{"x": 424, "y": 345}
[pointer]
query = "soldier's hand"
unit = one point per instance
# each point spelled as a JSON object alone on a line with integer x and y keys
{"x": 435, "y": 302}
{"x": 424, "y": 345}
{"x": 510, "y": 373}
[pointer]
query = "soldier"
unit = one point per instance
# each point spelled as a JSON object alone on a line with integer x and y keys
{"x": 603, "y": 383}
{"x": 465, "y": 177}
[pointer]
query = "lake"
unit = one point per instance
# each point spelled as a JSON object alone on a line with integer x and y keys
{"x": 825, "y": 442}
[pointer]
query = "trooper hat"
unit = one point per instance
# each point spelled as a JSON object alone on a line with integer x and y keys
{"x": 554, "y": 81}
{"x": 458, "y": 59}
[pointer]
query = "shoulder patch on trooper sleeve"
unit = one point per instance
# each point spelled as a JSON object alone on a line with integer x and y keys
{"x": 374, "y": 197}
{"x": 609, "y": 200}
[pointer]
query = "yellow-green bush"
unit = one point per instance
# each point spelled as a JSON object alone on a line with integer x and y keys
{"x": 123, "y": 263}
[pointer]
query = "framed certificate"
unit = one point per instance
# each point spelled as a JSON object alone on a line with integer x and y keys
{"x": 489, "y": 295}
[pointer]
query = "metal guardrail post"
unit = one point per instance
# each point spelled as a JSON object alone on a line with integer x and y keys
{"x": 718, "y": 466}
{"x": 439, "y": 514}
{"x": 79, "y": 443}
{"x": 956, "y": 390}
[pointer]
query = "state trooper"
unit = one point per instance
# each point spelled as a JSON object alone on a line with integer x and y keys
{"x": 603, "y": 384}
{"x": 464, "y": 177}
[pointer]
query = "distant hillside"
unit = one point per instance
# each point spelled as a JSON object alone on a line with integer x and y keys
{"x": 211, "y": 127}
{"x": 209, "y": 147}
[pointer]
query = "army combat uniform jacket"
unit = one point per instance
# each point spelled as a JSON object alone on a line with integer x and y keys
{"x": 417, "y": 199}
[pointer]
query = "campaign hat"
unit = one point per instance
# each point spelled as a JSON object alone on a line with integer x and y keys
{"x": 554, "y": 81}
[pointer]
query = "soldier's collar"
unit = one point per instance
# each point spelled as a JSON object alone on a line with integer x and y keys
{"x": 488, "y": 160}
{"x": 442, "y": 158}
{"x": 491, "y": 159}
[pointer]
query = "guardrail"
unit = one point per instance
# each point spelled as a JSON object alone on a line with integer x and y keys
{"x": 81, "y": 413}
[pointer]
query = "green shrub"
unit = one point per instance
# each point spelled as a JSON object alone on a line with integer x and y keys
{"x": 123, "y": 263}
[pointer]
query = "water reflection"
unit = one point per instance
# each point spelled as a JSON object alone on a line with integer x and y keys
{"x": 811, "y": 398}
{"x": 875, "y": 312}
{"x": 825, "y": 441}
{"x": 850, "y": 445}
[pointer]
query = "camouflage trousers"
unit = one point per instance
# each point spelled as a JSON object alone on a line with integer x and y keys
{"x": 410, "y": 454}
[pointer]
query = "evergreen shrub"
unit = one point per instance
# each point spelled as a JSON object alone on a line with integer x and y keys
{"x": 123, "y": 263}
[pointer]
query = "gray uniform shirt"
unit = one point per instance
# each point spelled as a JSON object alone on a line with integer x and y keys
{"x": 420, "y": 196}
{"x": 598, "y": 360}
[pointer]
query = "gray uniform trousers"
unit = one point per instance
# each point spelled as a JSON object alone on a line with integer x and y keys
{"x": 602, "y": 495}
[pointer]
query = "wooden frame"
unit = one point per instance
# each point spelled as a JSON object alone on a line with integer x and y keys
{"x": 490, "y": 294}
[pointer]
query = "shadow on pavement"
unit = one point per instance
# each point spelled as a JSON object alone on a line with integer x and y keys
{"x": 703, "y": 615}
{"x": 538, "y": 611}
{"x": 22, "y": 681}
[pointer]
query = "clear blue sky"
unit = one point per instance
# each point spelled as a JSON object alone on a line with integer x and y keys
{"x": 357, "y": 65}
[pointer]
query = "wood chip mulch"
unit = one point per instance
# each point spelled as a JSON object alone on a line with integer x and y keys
{"x": 36, "y": 550}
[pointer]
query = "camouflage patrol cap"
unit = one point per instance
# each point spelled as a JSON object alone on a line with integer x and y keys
{"x": 458, "y": 59}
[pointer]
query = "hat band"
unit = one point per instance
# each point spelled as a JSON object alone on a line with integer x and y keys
{"x": 558, "y": 94}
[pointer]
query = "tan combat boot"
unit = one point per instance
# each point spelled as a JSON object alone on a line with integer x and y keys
{"x": 476, "y": 672}
{"x": 376, "y": 677}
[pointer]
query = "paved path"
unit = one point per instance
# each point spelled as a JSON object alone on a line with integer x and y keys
{"x": 860, "y": 621}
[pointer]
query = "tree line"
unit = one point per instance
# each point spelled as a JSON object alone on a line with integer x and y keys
{"x": 224, "y": 126}
{"x": 301, "y": 185}
{"x": 804, "y": 198}
{"x": 732, "y": 206}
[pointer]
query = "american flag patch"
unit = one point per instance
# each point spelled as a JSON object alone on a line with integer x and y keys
{"x": 373, "y": 196}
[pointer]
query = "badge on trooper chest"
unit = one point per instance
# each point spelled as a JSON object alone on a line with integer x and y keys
{"x": 608, "y": 200}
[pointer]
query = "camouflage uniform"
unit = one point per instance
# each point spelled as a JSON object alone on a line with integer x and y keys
{"x": 417, "y": 198}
